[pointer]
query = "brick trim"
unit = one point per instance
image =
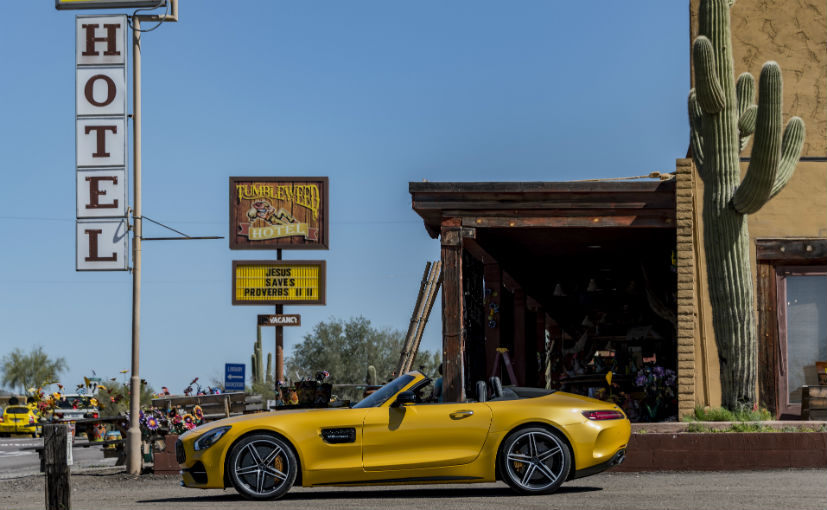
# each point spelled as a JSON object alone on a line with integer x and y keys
{"x": 684, "y": 204}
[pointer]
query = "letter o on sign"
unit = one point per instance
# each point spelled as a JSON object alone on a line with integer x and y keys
{"x": 90, "y": 86}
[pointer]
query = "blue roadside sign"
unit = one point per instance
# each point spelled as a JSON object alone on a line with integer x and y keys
{"x": 234, "y": 376}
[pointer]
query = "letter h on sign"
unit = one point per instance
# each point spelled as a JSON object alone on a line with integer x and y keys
{"x": 101, "y": 143}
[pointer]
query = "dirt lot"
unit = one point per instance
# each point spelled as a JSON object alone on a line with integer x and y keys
{"x": 113, "y": 489}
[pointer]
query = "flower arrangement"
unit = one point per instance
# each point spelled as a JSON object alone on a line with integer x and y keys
{"x": 155, "y": 423}
{"x": 659, "y": 385}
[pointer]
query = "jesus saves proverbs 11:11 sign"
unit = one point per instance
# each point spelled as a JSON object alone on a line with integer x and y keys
{"x": 294, "y": 282}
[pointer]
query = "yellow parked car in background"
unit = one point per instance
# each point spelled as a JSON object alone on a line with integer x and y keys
{"x": 533, "y": 439}
{"x": 19, "y": 419}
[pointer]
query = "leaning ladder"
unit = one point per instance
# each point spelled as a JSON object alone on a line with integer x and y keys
{"x": 428, "y": 288}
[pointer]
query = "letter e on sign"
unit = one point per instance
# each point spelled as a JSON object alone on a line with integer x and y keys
{"x": 101, "y": 193}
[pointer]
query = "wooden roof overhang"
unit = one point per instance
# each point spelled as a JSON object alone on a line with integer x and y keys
{"x": 538, "y": 232}
{"x": 635, "y": 204}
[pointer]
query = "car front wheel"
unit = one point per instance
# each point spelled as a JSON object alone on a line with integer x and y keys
{"x": 534, "y": 461}
{"x": 262, "y": 466}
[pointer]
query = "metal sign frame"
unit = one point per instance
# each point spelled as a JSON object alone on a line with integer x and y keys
{"x": 275, "y": 263}
{"x": 69, "y": 5}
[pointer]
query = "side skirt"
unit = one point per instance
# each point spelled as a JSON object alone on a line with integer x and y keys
{"x": 416, "y": 479}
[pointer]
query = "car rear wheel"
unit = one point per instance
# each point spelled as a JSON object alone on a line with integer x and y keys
{"x": 534, "y": 461}
{"x": 262, "y": 466}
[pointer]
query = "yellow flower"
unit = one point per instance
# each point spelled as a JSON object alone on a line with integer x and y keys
{"x": 101, "y": 387}
{"x": 93, "y": 402}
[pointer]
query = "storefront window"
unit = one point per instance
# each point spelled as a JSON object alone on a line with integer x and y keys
{"x": 806, "y": 330}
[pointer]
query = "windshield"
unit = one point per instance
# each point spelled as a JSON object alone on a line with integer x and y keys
{"x": 74, "y": 402}
{"x": 17, "y": 410}
{"x": 380, "y": 396}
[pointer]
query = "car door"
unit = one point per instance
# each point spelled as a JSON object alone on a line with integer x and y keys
{"x": 424, "y": 435}
{"x": 331, "y": 439}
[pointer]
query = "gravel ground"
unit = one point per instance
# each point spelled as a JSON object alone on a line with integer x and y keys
{"x": 771, "y": 490}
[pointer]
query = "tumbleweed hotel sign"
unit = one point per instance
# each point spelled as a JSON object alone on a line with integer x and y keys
{"x": 278, "y": 212}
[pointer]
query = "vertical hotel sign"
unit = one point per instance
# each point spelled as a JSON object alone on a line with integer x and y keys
{"x": 101, "y": 143}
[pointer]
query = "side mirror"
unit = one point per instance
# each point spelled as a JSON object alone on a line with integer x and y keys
{"x": 405, "y": 398}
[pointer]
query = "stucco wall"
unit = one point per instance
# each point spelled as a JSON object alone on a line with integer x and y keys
{"x": 794, "y": 34}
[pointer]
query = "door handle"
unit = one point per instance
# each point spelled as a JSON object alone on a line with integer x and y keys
{"x": 458, "y": 415}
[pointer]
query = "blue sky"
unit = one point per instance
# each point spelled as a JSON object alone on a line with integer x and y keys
{"x": 373, "y": 94}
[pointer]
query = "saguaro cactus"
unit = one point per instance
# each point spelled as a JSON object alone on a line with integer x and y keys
{"x": 722, "y": 116}
{"x": 257, "y": 361}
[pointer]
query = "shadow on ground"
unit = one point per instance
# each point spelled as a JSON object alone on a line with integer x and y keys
{"x": 395, "y": 494}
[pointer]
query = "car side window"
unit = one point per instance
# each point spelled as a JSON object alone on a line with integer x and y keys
{"x": 381, "y": 395}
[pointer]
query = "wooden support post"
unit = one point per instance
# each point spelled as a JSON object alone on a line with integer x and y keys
{"x": 540, "y": 332}
{"x": 519, "y": 335}
{"x": 453, "y": 336}
{"x": 279, "y": 376}
{"x": 493, "y": 282}
{"x": 58, "y": 478}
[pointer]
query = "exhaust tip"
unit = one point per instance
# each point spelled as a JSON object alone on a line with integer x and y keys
{"x": 618, "y": 458}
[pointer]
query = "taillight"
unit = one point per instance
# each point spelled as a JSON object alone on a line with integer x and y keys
{"x": 95, "y": 415}
{"x": 603, "y": 415}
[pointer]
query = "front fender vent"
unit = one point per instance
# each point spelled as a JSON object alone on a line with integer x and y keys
{"x": 336, "y": 436}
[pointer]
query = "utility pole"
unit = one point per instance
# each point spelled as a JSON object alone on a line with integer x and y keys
{"x": 133, "y": 434}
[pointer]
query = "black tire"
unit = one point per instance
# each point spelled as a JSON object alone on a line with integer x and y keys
{"x": 262, "y": 466}
{"x": 534, "y": 460}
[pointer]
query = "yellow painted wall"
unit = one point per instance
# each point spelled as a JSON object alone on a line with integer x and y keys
{"x": 794, "y": 34}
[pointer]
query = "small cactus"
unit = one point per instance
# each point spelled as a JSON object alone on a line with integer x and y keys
{"x": 722, "y": 117}
{"x": 258, "y": 361}
{"x": 269, "y": 373}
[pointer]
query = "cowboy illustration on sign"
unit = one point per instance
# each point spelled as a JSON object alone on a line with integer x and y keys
{"x": 278, "y": 212}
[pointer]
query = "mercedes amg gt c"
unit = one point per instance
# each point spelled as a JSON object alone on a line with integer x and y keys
{"x": 532, "y": 439}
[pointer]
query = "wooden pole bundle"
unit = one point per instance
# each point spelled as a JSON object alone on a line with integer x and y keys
{"x": 428, "y": 289}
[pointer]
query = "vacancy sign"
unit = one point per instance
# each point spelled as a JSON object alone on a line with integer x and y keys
{"x": 101, "y": 143}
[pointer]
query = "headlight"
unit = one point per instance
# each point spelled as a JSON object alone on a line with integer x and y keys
{"x": 209, "y": 438}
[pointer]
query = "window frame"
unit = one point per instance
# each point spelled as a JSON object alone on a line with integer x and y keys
{"x": 781, "y": 274}
{"x": 803, "y": 254}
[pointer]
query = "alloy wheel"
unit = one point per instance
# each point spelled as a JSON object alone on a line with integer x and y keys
{"x": 262, "y": 467}
{"x": 535, "y": 461}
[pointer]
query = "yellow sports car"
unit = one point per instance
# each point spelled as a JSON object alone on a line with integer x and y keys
{"x": 533, "y": 439}
{"x": 19, "y": 419}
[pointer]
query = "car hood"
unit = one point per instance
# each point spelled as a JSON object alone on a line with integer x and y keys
{"x": 246, "y": 417}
